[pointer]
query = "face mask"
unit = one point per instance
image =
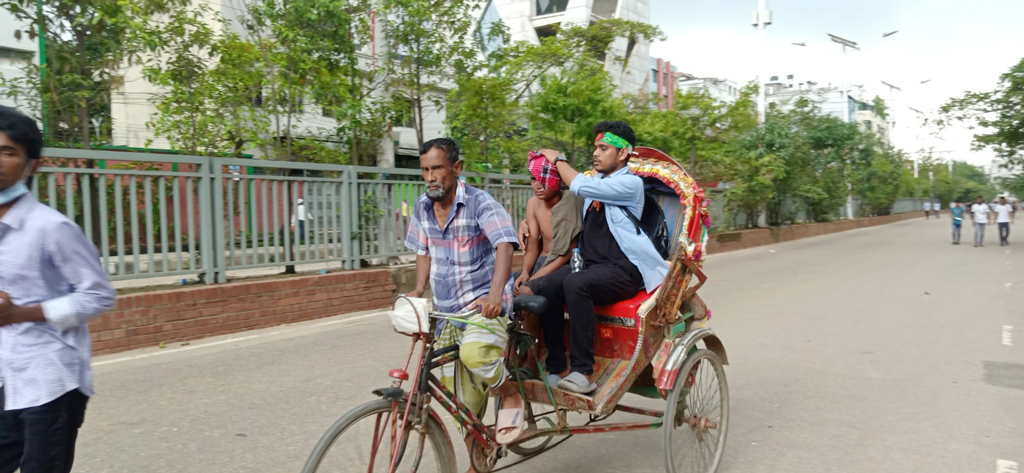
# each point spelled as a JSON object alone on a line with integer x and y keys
{"x": 17, "y": 190}
{"x": 11, "y": 193}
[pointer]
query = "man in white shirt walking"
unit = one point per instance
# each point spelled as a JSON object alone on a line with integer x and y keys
{"x": 979, "y": 215}
{"x": 927, "y": 209}
{"x": 300, "y": 217}
{"x": 1004, "y": 217}
{"x": 938, "y": 210}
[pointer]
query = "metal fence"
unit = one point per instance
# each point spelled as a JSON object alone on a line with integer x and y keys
{"x": 161, "y": 215}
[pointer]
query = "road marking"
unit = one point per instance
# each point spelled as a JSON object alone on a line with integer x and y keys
{"x": 1006, "y": 466}
{"x": 1008, "y": 335}
{"x": 229, "y": 340}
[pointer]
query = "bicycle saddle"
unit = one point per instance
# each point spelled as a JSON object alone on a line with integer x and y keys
{"x": 535, "y": 304}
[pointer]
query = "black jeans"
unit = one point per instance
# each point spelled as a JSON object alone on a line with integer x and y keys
{"x": 41, "y": 439}
{"x": 580, "y": 292}
{"x": 1004, "y": 232}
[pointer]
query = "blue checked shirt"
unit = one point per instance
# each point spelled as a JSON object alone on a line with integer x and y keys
{"x": 46, "y": 259}
{"x": 462, "y": 254}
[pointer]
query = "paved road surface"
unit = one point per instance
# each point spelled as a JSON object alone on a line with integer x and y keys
{"x": 876, "y": 350}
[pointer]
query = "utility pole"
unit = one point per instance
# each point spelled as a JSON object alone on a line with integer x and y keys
{"x": 42, "y": 72}
{"x": 761, "y": 19}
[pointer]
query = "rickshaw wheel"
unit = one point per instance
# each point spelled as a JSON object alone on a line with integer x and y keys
{"x": 697, "y": 416}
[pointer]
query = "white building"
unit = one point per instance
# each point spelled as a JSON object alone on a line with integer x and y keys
{"x": 14, "y": 56}
{"x": 722, "y": 90}
{"x": 850, "y": 106}
{"x": 531, "y": 20}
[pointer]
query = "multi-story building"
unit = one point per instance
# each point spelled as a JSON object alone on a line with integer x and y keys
{"x": 661, "y": 82}
{"x": 723, "y": 90}
{"x": 849, "y": 105}
{"x": 531, "y": 20}
{"x": 15, "y": 54}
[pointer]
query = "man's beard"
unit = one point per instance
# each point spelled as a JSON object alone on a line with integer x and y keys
{"x": 436, "y": 194}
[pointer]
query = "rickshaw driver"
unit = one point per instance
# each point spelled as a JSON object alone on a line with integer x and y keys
{"x": 618, "y": 259}
{"x": 468, "y": 261}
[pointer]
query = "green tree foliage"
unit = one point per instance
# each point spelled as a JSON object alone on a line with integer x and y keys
{"x": 87, "y": 44}
{"x": 998, "y": 116}
{"x": 429, "y": 42}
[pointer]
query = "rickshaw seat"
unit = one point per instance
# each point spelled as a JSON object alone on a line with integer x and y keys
{"x": 534, "y": 304}
{"x": 626, "y": 308}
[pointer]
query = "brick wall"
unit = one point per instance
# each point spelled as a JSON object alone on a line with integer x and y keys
{"x": 742, "y": 239}
{"x": 146, "y": 319}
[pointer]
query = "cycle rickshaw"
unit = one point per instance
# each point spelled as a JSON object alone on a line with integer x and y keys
{"x": 654, "y": 345}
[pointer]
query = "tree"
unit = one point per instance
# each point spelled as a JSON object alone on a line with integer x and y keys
{"x": 428, "y": 42}
{"x": 87, "y": 44}
{"x": 998, "y": 115}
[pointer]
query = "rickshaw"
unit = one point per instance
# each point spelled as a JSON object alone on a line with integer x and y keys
{"x": 654, "y": 345}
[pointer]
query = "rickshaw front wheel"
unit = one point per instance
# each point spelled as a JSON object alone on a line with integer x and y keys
{"x": 697, "y": 416}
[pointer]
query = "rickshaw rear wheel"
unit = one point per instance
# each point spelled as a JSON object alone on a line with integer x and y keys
{"x": 697, "y": 416}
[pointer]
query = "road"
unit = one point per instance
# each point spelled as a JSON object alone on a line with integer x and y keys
{"x": 880, "y": 349}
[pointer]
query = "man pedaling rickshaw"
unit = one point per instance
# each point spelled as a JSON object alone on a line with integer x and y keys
{"x": 618, "y": 260}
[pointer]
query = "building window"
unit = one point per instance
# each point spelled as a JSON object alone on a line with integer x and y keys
{"x": 789, "y": 77}
{"x": 547, "y": 7}
{"x": 490, "y": 19}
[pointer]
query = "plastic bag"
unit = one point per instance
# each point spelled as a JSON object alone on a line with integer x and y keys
{"x": 410, "y": 315}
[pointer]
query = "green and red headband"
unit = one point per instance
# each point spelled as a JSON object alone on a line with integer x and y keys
{"x": 614, "y": 140}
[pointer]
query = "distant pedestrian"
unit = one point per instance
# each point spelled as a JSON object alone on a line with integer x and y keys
{"x": 299, "y": 217}
{"x": 956, "y": 213}
{"x": 1004, "y": 217}
{"x": 927, "y": 209}
{"x": 979, "y": 215}
{"x": 938, "y": 209}
{"x": 51, "y": 285}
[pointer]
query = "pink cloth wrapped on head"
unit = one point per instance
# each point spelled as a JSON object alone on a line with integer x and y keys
{"x": 544, "y": 172}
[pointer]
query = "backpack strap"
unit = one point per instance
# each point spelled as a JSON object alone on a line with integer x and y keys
{"x": 632, "y": 218}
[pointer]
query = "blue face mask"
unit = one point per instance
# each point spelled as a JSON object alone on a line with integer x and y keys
{"x": 9, "y": 194}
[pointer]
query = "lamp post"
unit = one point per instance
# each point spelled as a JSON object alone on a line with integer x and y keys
{"x": 761, "y": 19}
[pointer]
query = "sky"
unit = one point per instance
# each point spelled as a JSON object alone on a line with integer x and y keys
{"x": 953, "y": 45}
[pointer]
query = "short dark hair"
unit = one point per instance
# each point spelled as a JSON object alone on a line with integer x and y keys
{"x": 451, "y": 150}
{"x": 22, "y": 130}
{"x": 618, "y": 128}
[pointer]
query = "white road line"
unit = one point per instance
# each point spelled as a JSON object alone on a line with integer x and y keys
{"x": 1006, "y": 466}
{"x": 229, "y": 340}
{"x": 1008, "y": 335}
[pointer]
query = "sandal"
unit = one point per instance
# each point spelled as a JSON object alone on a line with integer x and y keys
{"x": 511, "y": 425}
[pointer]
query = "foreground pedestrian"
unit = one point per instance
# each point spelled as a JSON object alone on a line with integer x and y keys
{"x": 51, "y": 284}
{"x": 956, "y": 213}
{"x": 979, "y": 215}
{"x": 1004, "y": 217}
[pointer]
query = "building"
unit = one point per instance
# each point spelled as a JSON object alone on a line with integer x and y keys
{"x": 850, "y": 106}
{"x": 661, "y": 82}
{"x": 531, "y": 20}
{"x": 15, "y": 54}
{"x": 722, "y": 90}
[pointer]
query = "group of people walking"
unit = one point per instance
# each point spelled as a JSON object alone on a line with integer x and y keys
{"x": 981, "y": 214}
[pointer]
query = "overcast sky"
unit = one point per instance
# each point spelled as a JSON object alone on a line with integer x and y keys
{"x": 958, "y": 45}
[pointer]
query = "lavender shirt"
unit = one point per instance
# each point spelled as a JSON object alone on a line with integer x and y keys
{"x": 46, "y": 259}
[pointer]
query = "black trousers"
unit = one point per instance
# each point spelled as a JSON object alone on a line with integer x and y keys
{"x": 41, "y": 439}
{"x": 580, "y": 292}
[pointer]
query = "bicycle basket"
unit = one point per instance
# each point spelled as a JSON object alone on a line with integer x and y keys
{"x": 410, "y": 315}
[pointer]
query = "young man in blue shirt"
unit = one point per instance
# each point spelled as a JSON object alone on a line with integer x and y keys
{"x": 618, "y": 261}
{"x": 51, "y": 285}
{"x": 956, "y": 212}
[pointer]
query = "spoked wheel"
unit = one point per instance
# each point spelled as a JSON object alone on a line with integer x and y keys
{"x": 697, "y": 416}
{"x": 363, "y": 441}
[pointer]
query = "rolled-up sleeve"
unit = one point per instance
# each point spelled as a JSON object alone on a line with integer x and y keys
{"x": 496, "y": 222}
{"x": 77, "y": 260}
{"x": 624, "y": 190}
{"x": 416, "y": 240}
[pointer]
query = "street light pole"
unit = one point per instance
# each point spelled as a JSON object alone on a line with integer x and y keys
{"x": 762, "y": 18}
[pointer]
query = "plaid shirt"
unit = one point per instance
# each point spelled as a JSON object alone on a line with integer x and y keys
{"x": 462, "y": 254}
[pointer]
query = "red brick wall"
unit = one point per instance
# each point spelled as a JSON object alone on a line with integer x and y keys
{"x": 146, "y": 319}
{"x": 742, "y": 239}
